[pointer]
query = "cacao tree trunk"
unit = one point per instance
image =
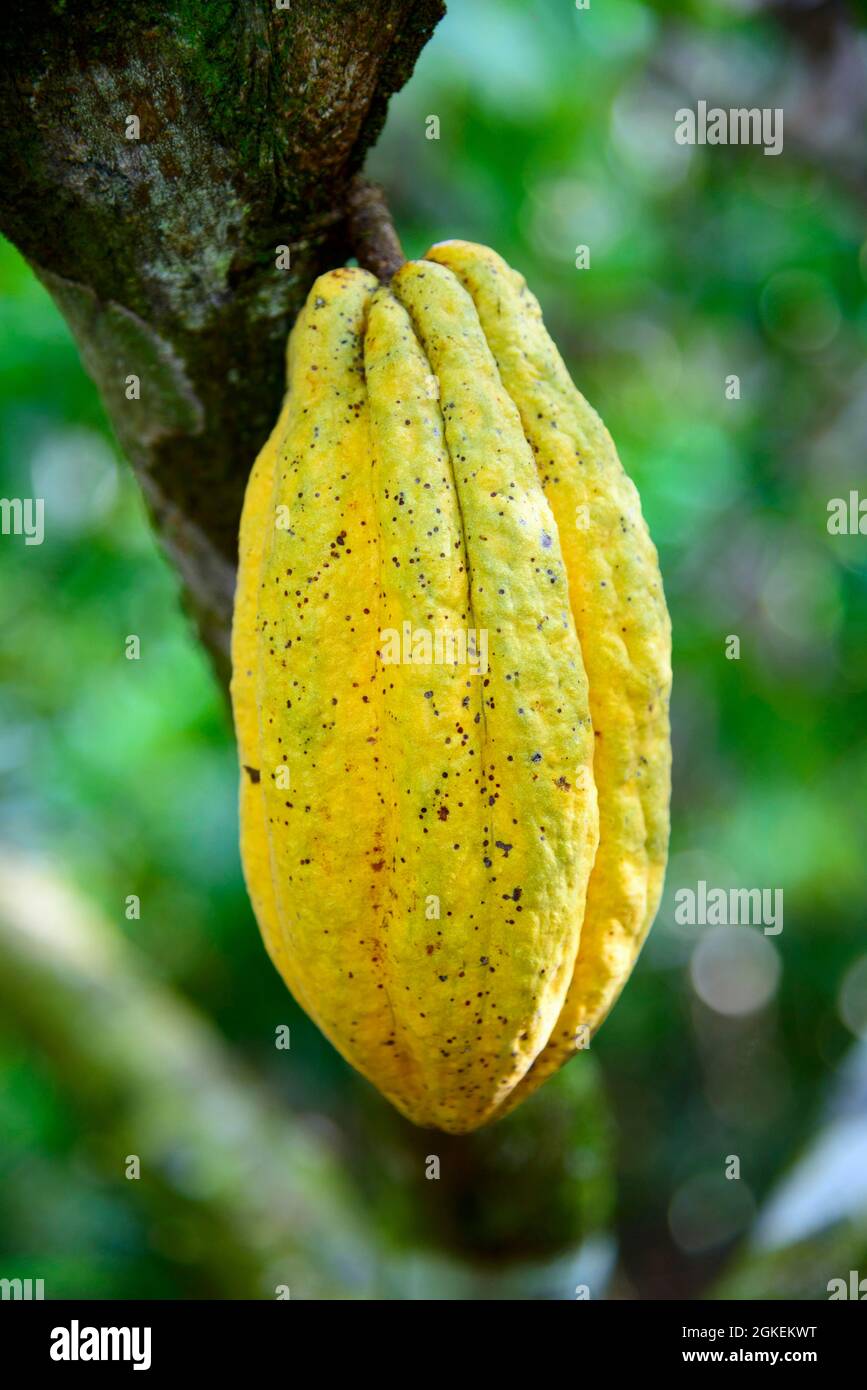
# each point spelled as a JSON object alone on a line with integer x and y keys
{"x": 154, "y": 157}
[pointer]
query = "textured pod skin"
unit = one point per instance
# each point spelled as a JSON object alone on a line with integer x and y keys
{"x": 625, "y": 634}
{"x": 420, "y": 826}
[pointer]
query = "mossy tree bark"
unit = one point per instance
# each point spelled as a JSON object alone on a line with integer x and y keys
{"x": 158, "y": 236}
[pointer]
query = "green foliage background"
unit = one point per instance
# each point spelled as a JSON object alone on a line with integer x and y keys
{"x": 556, "y": 129}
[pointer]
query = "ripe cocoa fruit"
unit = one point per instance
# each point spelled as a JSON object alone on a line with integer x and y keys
{"x": 451, "y": 670}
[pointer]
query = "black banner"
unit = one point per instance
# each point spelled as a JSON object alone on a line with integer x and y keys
{"x": 84, "y": 1338}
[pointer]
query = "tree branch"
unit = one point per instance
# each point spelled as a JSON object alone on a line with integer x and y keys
{"x": 263, "y": 1196}
{"x": 520, "y": 1210}
{"x": 162, "y": 249}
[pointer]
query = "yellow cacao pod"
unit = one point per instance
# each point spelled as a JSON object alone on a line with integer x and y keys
{"x": 451, "y": 671}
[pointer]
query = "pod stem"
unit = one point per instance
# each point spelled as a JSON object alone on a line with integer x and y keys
{"x": 371, "y": 229}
